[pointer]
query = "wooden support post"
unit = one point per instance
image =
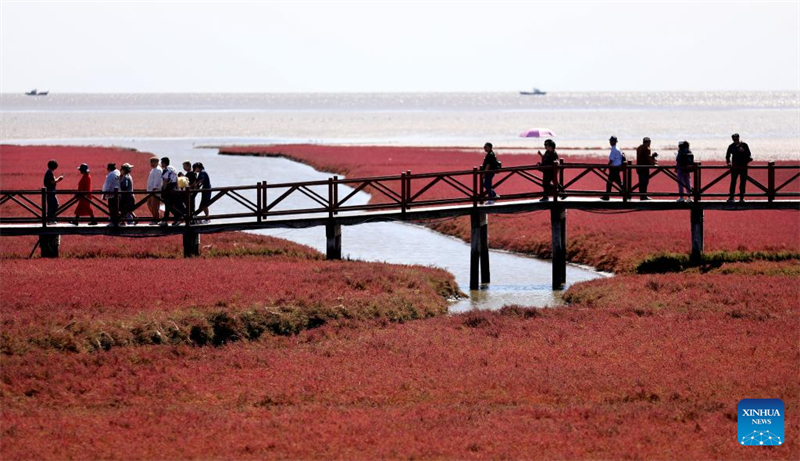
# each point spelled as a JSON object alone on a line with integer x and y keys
{"x": 264, "y": 203}
{"x": 333, "y": 232}
{"x": 484, "y": 249}
{"x": 259, "y": 205}
{"x": 44, "y": 207}
{"x": 476, "y": 192}
{"x": 697, "y": 234}
{"x": 771, "y": 181}
{"x": 49, "y": 245}
{"x": 475, "y": 251}
{"x": 191, "y": 244}
{"x": 698, "y": 181}
{"x": 558, "y": 223}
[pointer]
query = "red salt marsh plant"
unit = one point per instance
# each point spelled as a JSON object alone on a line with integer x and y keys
{"x": 606, "y": 378}
{"x": 100, "y": 303}
{"x": 617, "y": 242}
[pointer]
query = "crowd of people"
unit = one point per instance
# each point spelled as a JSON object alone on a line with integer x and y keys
{"x": 737, "y": 157}
{"x": 165, "y": 186}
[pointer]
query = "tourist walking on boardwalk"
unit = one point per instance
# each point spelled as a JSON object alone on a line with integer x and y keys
{"x": 169, "y": 182}
{"x": 84, "y": 207}
{"x": 203, "y": 182}
{"x": 737, "y": 157}
{"x": 549, "y": 160}
{"x": 154, "y": 185}
{"x": 127, "y": 200}
{"x": 50, "y": 182}
{"x": 109, "y": 186}
{"x": 644, "y": 158}
{"x": 683, "y": 165}
{"x": 490, "y": 163}
{"x": 615, "y": 160}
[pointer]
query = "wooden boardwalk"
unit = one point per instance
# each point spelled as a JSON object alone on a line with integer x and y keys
{"x": 407, "y": 197}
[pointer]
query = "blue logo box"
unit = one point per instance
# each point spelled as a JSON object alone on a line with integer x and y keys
{"x": 761, "y": 422}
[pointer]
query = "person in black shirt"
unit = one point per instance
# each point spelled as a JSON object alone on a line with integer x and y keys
{"x": 737, "y": 157}
{"x": 50, "y": 182}
{"x": 549, "y": 159}
{"x": 203, "y": 182}
{"x": 490, "y": 163}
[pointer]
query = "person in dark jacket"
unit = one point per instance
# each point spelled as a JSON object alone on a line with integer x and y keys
{"x": 50, "y": 182}
{"x": 683, "y": 165}
{"x": 644, "y": 159}
{"x": 737, "y": 157}
{"x": 490, "y": 163}
{"x": 127, "y": 200}
{"x": 549, "y": 159}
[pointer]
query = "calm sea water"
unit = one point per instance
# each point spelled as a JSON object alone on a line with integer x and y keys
{"x": 768, "y": 121}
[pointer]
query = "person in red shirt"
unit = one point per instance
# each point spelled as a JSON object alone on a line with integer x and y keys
{"x": 84, "y": 208}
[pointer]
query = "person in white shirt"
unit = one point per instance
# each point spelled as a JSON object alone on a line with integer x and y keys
{"x": 615, "y": 160}
{"x": 109, "y": 186}
{"x": 169, "y": 181}
{"x": 154, "y": 183}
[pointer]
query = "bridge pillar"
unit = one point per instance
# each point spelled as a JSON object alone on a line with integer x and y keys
{"x": 191, "y": 244}
{"x": 558, "y": 223}
{"x": 334, "y": 248}
{"x": 49, "y": 245}
{"x": 479, "y": 251}
{"x": 697, "y": 234}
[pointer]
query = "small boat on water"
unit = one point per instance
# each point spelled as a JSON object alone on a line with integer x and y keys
{"x": 34, "y": 92}
{"x": 536, "y": 92}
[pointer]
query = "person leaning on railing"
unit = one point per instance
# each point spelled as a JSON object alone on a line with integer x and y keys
{"x": 737, "y": 157}
{"x": 684, "y": 162}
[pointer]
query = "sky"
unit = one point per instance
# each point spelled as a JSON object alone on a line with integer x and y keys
{"x": 99, "y": 47}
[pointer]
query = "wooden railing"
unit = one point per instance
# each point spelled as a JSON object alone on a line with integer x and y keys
{"x": 767, "y": 182}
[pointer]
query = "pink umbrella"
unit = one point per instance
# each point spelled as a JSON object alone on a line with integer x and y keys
{"x": 538, "y": 133}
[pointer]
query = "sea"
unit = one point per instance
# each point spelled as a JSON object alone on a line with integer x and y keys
{"x": 769, "y": 121}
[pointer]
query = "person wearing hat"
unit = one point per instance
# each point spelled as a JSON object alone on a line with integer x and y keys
{"x": 644, "y": 158}
{"x": 84, "y": 207}
{"x": 127, "y": 200}
{"x": 737, "y": 157}
{"x": 615, "y": 160}
{"x": 109, "y": 186}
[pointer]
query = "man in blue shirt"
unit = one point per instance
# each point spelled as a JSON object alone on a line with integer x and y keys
{"x": 615, "y": 159}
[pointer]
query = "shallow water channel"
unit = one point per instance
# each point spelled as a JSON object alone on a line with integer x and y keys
{"x": 516, "y": 279}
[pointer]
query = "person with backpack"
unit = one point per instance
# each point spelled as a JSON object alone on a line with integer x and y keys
{"x": 615, "y": 160}
{"x": 169, "y": 182}
{"x": 490, "y": 164}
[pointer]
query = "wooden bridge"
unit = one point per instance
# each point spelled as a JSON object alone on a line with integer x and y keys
{"x": 411, "y": 197}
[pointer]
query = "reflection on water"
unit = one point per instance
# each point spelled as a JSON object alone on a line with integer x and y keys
{"x": 516, "y": 279}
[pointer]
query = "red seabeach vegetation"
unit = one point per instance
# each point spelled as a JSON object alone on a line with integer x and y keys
{"x": 261, "y": 350}
{"x": 634, "y": 365}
